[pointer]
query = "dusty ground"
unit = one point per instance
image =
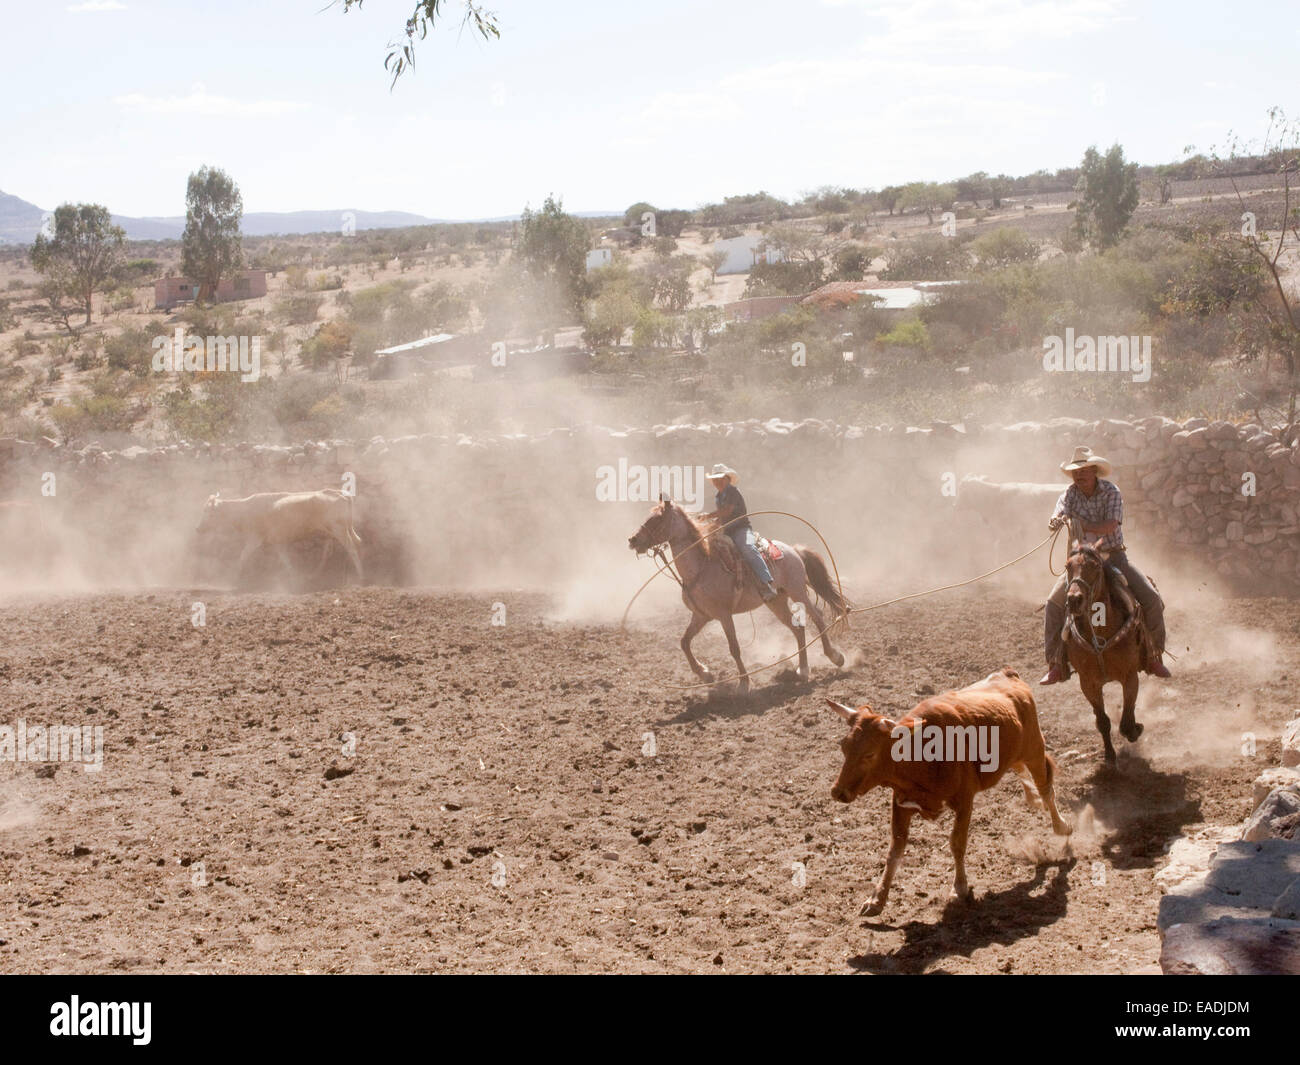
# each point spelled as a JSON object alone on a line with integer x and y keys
{"x": 502, "y": 812}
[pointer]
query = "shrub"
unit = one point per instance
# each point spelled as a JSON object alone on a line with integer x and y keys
{"x": 130, "y": 350}
{"x": 1004, "y": 247}
{"x": 926, "y": 258}
{"x": 909, "y": 333}
{"x": 333, "y": 340}
{"x": 299, "y": 309}
{"x": 91, "y": 413}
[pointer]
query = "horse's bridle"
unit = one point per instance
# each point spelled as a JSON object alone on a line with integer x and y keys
{"x": 1098, "y": 648}
{"x": 657, "y": 551}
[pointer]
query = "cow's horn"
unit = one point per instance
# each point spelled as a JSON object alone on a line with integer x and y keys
{"x": 844, "y": 711}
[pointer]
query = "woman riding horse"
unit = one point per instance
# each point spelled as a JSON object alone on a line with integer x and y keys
{"x": 729, "y": 506}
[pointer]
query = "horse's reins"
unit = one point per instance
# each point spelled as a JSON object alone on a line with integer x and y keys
{"x": 1098, "y": 648}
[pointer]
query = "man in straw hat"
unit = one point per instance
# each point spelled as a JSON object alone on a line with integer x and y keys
{"x": 729, "y": 504}
{"x": 1098, "y": 508}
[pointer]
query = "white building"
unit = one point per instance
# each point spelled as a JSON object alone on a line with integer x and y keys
{"x": 743, "y": 254}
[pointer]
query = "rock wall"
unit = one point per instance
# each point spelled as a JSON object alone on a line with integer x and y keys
{"x": 434, "y": 509}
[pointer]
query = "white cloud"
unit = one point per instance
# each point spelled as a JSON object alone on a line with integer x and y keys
{"x": 97, "y": 5}
{"x": 982, "y": 25}
{"x": 200, "y": 102}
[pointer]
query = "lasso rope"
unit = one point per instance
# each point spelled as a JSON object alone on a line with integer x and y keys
{"x": 843, "y": 617}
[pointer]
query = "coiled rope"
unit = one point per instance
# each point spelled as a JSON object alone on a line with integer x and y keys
{"x": 843, "y": 617}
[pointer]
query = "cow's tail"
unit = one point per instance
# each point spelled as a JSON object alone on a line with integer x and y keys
{"x": 819, "y": 579}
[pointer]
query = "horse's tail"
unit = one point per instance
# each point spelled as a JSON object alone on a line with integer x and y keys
{"x": 819, "y": 579}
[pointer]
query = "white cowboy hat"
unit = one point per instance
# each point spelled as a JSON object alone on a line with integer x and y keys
{"x": 721, "y": 470}
{"x": 1083, "y": 457}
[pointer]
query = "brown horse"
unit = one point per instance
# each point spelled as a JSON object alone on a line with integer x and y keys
{"x": 1102, "y": 643}
{"x": 711, "y": 592}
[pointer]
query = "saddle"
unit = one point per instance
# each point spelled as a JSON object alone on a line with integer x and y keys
{"x": 729, "y": 555}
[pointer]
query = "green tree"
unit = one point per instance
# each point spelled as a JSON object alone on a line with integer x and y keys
{"x": 792, "y": 278}
{"x": 1108, "y": 196}
{"x": 553, "y": 248}
{"x": 999, "y": 188}
{"x": 1273, "y": 306}
{"x": 82, "y": 254}
{"x": 974, "y": 187}
{"x": 423, "y": 17}
{"x": 889, "y": 196}
{"x": 670, "y": 281}
{"x": 852, "y": 261}
{"x": 607, "y": 317}
{"x": 632, "y": 216}
{"x": 927, "y": 196}
{"x": 211, "y": 247}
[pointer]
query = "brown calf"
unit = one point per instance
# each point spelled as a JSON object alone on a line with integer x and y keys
{"x": 946, "y": 750}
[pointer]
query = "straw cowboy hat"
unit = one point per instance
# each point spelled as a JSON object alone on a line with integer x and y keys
{"x": 1083, "y": 456}
{"x": 720, "y": 470}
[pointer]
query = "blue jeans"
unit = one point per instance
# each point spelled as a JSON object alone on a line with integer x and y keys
{"x": 743, "y": 538}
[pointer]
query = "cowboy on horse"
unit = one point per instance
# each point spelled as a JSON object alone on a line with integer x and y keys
{"x": 730, "y": 504}
{"x": 1098, "y": 508}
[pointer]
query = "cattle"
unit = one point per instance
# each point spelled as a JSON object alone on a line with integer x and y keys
{"x": 273, "y": 519}
{"x": 1007, "y": 504}
{"x": 948, "y": 748}
{"x": 1005, "y": 517}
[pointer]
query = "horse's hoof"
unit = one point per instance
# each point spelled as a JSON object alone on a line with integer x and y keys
{"x": 1136, "y": 731}
{"x": 964, "y": 895}
{"x": 837, "y": 658}
{"x": 805, "y": 674}
{"x": 872, "y": 908}
{"x": 743, "y": 686}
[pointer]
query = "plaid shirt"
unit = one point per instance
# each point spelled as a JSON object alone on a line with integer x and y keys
{"x": 1105, "y": 504}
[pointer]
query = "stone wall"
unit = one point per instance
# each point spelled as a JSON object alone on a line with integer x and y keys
{"x": 434, "y": 509}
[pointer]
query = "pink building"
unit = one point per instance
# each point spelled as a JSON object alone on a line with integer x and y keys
{"x": 759, "y": 307}
{"x": 169, "y": 291}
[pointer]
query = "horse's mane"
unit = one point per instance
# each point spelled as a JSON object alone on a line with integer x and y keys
{"x": 704, "y": 531}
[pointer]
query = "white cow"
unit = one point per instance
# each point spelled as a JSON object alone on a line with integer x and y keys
{"x": 278, "y": 518}
{"x": 1009, "y": 517}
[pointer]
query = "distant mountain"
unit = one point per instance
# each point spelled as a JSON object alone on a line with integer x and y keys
{"x": 20, "y": 221}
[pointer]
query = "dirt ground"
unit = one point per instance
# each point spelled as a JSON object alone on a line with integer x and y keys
{"x": 534, "y": 797}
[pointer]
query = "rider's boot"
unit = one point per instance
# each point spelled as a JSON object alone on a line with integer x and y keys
{"x": 1053, "y": 649}
{"x": 769, "y": 592}
{"x": 1057, "y": 673}
{"x": 1157, "y": 668}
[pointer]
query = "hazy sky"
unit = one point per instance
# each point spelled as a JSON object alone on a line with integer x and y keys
{"x": 606, "y": 102}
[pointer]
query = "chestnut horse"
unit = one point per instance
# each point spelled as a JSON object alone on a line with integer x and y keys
{"x": 1102, "y": 644}
{"x": 710, "y": 591}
